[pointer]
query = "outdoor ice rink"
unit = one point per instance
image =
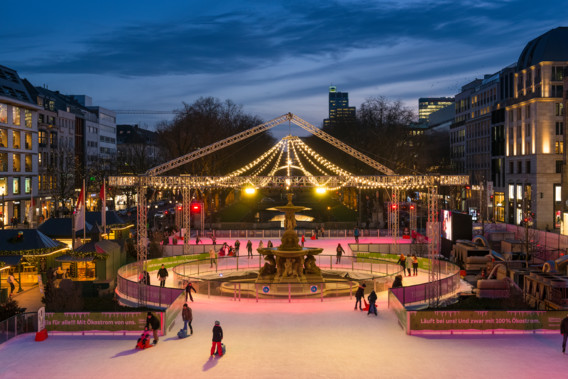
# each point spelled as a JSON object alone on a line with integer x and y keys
{"x": 307, "y": 339}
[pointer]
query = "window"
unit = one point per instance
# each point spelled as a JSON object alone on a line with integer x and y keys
{"x": 3, "y": 138}
{"x": 16, "y": 186}
{"x": 16, "y": 116}
{"x": 53, "y": 139}
{"x": 16, "y": 140}
{"x": 3, "y": 113}
{"x": 556, "y": 91}
{"x": 28, "y": 141}
{"x": 3, "y": 162}
{"x": 29, "y": 165}
{"x": 519, "y": 113}
{"x": 28, "y": 185}
{"x": 527, "y": 130}
{"x": 511, "y": 171}
{"x": 511, "y": 192}
{"x": 558, "y": 147}
{"x": 16, "y": 164}
{"x": 557, "y": 73}
{"x": 519, "y": 192}
{"x": 559, "y": 109}
{"x": 28, "y": 118}
{"x": 528, "y": 112}
{"x": 559, "y": 128}
{"x": 42, "y": 137}
{"x": 528, "y": 167}
{"x": 559, "y": 165}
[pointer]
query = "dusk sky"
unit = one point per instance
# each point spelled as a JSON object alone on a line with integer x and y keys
{"x": 272, "y": 57}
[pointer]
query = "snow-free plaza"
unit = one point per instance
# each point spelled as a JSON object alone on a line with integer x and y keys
{"x": 287, "y": 307}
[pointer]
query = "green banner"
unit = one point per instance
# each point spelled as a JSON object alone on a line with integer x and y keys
{"x": 96, "y": 321}
{"x": 486, "y": 320}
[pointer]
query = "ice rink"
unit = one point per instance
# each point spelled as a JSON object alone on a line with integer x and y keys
{"x": 282, "y": 340}
{"x": 303, "y": 339}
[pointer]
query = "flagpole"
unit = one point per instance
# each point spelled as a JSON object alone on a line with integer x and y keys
{"x": 84, "y": 212}
{"x": 103, "y": 214}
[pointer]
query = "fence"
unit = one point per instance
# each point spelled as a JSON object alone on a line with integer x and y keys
{"x": 420, "y": 292}
{"x": 18, "y": 324}
{"x": 277, "y": 233}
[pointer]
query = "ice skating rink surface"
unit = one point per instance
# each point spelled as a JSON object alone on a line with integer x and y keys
{"x": 307, "y": 339}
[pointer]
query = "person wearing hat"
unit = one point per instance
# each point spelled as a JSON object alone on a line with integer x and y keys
{"x": 359, "y": 295}
{"x": 217, "y": 338}
{"x": 154, "y": 323}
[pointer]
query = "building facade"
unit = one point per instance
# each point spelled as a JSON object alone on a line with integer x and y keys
{"x": 339, "y": 109}
{"x": 18, "y": 149}
{"x": 427, "y": 105}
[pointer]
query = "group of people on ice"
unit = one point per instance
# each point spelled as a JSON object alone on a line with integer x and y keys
{"x": 360, "y": 294}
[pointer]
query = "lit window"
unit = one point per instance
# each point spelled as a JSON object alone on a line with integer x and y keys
{"x": 16, "y": 116}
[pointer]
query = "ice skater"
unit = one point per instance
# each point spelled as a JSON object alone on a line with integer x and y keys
{"x": 303, "y": 240}
{"x": 187, "y": 317}
{"x": 402, "y": 263}
{"x": 249, "y": 249}
{"x": 217, "y": 338}
{"x": 372, "y": 303}
{"x": 356, "y": 234}
{"x": 397, "y": 281}
{"x": 188, "y": 288}
{"x": 564, "y": 332}
{"x": 11, "y": 280}
{"x": 162, "y": 275}
{"x": 414, "y": 265}
{"x": 359, "y": 295}
{"x": 154, "y": 323}
{"x": 237, "y": 247}
{"x": 212, "y": 256}
{"x": 339, "y": 251}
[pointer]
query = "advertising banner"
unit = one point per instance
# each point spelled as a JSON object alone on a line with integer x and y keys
{"x": 486, "y": 320}
{"x": 96, "y": 321}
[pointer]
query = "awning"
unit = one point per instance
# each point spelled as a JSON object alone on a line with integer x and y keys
{"x": 72, "y": 258}
{"x": 11, "y": 260}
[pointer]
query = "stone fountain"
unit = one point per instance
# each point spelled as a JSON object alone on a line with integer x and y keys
{"x": 290, "y": 262}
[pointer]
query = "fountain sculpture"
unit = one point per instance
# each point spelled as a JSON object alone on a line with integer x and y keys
{"x": 290, "y": 262}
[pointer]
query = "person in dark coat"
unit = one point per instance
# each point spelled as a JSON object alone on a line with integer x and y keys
{"x": 564, "y": 332}
{"x": 217, "y": 338}
{"x": 397, "y": 281}
{"x": 237, "y": 247}
{"x": 154, "y": 323}
{"x": 249, "y": 248}
{"x": 339, "y": 251}
{"x": 187, "y": 317}
{"x": 359, "y": 295}
{"x": 162, "y": 275}
{"x": 372, "y": 303}
{"x": 188, "y": 288}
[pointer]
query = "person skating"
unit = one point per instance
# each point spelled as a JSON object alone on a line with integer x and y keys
{"x": 339, "y": 251}
{"x": 249, "y": 249}
{"x": 188, "y": 288}
{"x": 217, "y": 338}
{"x": 212, "y": 256}
{"x": 260, "y": 244}
{"x": 162, "y": 275}
{"x": 154, "y": 323}
{"x": 269, "y": 244}
{"x": 356, "y": 234}
{"x": 564, "y": 332}
{"x": 187, "y": 317}
{"x": 414, "y": 265}
{"x": 408, "y": 266}
{"x": 359, "y": 295}
{"x": 237, "y": 247}
{"x": 372, "y": 303}
{"x": 402, "y": 263}
{"x": 303, "y": 240}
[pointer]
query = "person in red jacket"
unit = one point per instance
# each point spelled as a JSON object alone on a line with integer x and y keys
{"x": 217, "y": 338}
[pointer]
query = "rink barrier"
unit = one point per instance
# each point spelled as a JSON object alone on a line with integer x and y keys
{"x": 16, "y": 325}
{"x": 379, "y": 273}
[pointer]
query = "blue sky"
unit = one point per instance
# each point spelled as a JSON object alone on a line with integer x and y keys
{"x": 272, "y": 57}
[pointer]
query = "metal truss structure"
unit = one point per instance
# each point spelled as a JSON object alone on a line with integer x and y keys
{"x": 394, "y": 217}
{"x": 288, "y": 156}
{"x": 142, "y": 240}
{"x": 186, "y": 223}
{"x": 412, "y": 215}
{"x": 433, "y": 231}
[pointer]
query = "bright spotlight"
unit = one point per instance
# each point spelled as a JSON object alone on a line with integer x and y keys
{"x": 250, "y": 190}
{"x": 321, "y": 190}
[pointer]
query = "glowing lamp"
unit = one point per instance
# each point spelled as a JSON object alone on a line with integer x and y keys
{"x": 250, "y": 190}
{"x": 321, "y": 190}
